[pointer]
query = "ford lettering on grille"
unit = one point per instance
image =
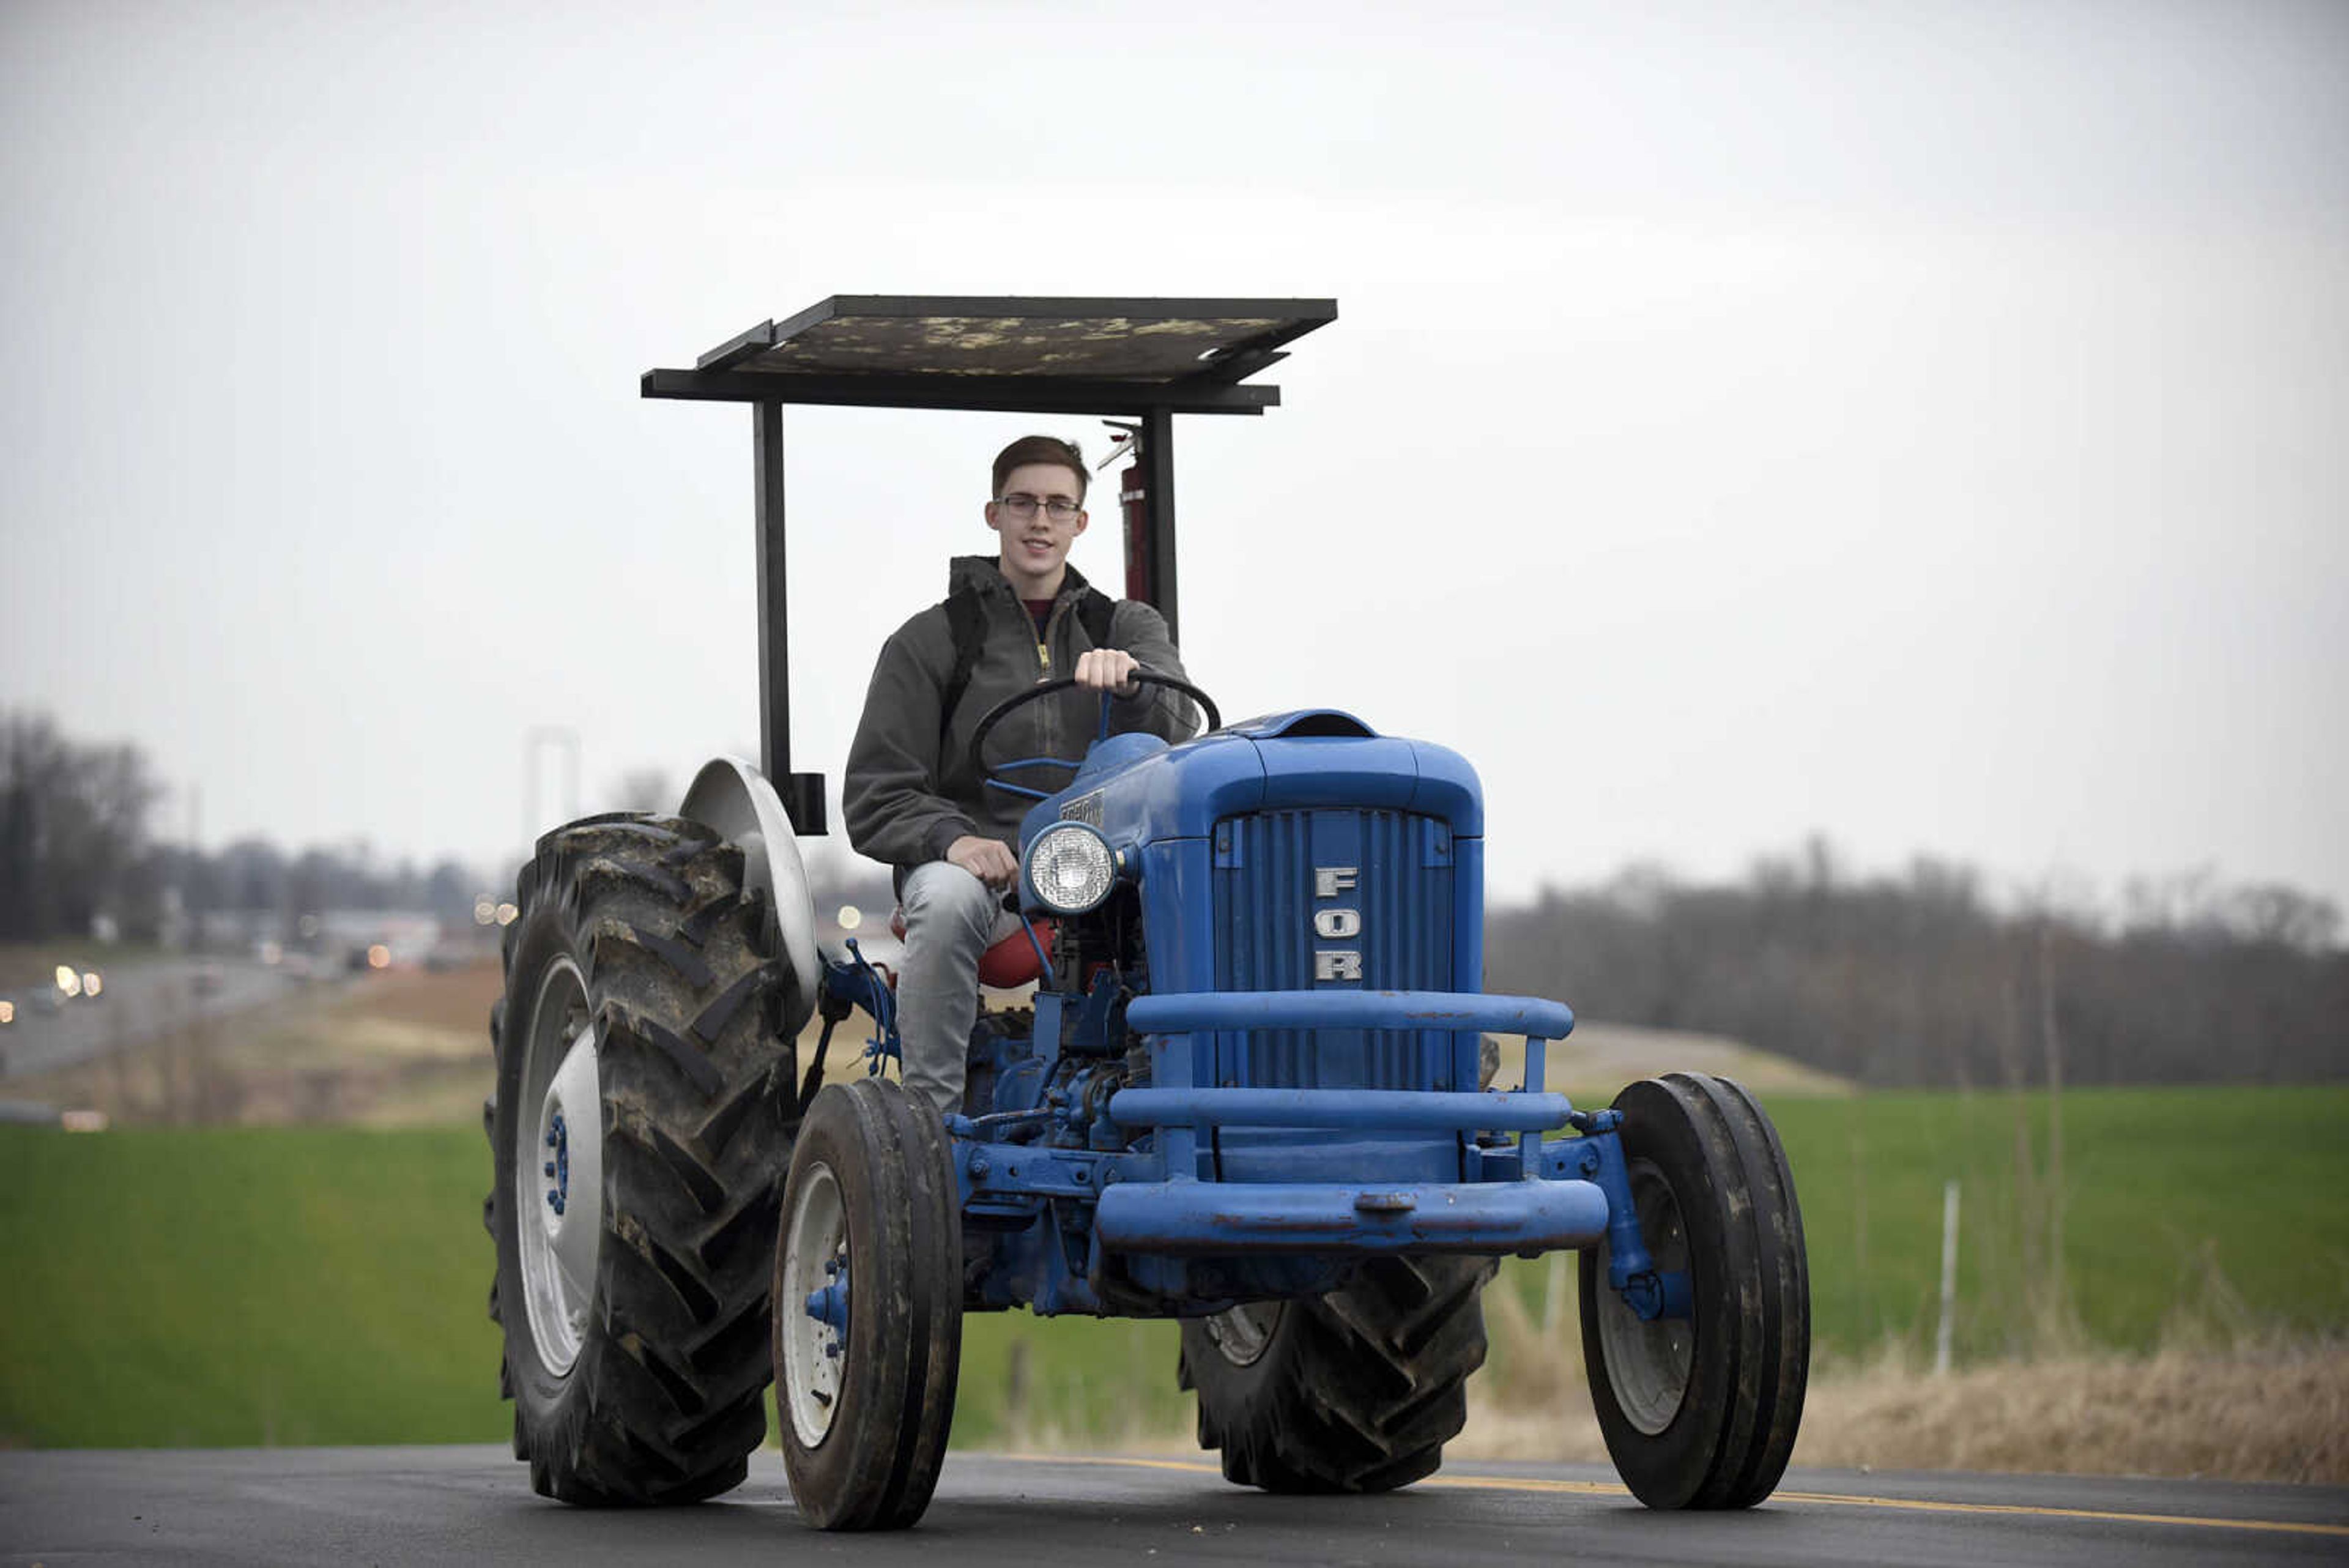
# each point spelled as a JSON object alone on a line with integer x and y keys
{"x": 1335, "y": 923}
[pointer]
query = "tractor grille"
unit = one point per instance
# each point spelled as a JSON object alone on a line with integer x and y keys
{"x": 1265, "y": 904}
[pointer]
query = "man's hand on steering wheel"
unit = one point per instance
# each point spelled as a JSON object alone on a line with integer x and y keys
{"x": 1109, "y": 669}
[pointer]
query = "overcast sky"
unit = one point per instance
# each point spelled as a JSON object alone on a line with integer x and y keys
{"x": 1925, "y": 424}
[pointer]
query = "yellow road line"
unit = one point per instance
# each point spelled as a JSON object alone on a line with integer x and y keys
{"x": 1829, "y": 1499}
{"x": 1189, "y": 1467}
{"x": 2283, "y": 1525}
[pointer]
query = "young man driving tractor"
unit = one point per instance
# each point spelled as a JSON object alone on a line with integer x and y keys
{"x": 914, "y": 799}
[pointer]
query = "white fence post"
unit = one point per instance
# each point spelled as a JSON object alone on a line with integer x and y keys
{"x": 1948, "y": 1277}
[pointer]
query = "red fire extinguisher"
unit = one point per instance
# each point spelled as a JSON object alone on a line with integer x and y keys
{"x": 1132, "y": 509}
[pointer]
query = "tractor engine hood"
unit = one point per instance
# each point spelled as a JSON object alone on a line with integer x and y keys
{"x": 1139, "y": 790}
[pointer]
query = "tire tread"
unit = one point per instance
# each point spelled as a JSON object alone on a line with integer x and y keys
{"x": 1361, "y": 1387}
{"x": 663, "y": 1403}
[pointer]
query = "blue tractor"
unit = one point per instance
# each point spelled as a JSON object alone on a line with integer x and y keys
{"x": 1251, "y": 1089}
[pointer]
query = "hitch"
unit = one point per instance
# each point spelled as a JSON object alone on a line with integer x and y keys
{"x": 846, "y": 984}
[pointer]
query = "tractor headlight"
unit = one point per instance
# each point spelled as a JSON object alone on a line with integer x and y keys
{"x": 1069, "y": 868}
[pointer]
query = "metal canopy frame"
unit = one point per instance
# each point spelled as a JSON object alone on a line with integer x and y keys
{"x": 1143, "y": 359}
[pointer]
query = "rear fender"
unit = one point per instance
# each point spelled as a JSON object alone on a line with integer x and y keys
{"x": 734, "y": 799}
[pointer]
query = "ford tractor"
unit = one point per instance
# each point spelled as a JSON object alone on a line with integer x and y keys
{"x": 1251, "y": 1089}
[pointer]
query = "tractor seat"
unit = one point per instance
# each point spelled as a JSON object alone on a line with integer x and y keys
{"x": 1004, "y": 966}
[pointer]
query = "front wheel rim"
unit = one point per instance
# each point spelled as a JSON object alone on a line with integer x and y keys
{"x": 815, "y": 1259}
{"x": 1648, "y": 1363}
{"x": 558, "y": 1177}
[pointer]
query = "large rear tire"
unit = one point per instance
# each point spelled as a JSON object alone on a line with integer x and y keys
{"x": 1702, "y": 1411}
{"x": 1356, "y": 1391}
{"x": 640, "y": 1128}
{"x": 868, "y": 1307}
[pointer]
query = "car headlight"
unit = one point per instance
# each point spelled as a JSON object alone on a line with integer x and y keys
{"x": 1069, "y": 868}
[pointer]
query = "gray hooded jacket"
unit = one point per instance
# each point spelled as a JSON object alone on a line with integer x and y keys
{"x": 907, "y": 798}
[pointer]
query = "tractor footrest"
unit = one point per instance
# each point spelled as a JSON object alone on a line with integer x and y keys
{"x": 1199, "y": 1219}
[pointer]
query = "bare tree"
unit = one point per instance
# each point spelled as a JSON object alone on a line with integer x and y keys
{"x": 72, "y": 826}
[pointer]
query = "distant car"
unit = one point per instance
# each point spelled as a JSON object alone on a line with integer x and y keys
{"x": 93, "y": 984}
{"x": 207, "y": 977}
{"x": 7, "y": 1011}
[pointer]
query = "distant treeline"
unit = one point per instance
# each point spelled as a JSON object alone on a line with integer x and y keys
{"x": 254, "y": 877}
{"x": 77, "y": 848}
{"x": 1921, "y": 979}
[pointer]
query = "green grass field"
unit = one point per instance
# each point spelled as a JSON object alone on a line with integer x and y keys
{"x": 2212, "y": 1208}
{"x": 316, "y": 1285}
{"x": 281, "y": 1286}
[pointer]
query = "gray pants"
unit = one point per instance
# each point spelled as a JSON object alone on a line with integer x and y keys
{"x": 951, "y": 917}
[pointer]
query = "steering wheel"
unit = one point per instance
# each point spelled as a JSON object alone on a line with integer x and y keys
{"x": 1041, "y": 689}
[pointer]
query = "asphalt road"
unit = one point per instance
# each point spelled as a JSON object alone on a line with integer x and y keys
{"x": 474, "y": 1505}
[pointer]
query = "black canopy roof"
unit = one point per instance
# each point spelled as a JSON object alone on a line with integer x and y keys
{"x": 994, "y": 353}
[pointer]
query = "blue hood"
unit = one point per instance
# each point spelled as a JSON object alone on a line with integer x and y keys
{"x": 1139, "y": 790}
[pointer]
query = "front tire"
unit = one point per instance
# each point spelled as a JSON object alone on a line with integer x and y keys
{"x": 1702, "y": 1411}
{"x": 1355, "y": 1391}
{"x": 868, "y": 1307}
{"x": 642, "y": 1119}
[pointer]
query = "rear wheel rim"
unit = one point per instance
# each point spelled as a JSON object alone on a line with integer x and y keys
{"x": 559, "y": 1167}
{"x": 1648, "y": 1363}
{"x": 815, "y": 1257}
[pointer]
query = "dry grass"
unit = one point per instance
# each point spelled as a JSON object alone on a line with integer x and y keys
{"x": 2218, "y": 1400}
{"x": 410, "y": 1048}
{"x": 403, "y": 1049}
{"x": 1597, "y": 1059}
{"x": 456, "y": 1000}
{"x": 2277, "y": 1413}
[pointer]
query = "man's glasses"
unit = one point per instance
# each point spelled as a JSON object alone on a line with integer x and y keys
{"x": 1024, "y": 505}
